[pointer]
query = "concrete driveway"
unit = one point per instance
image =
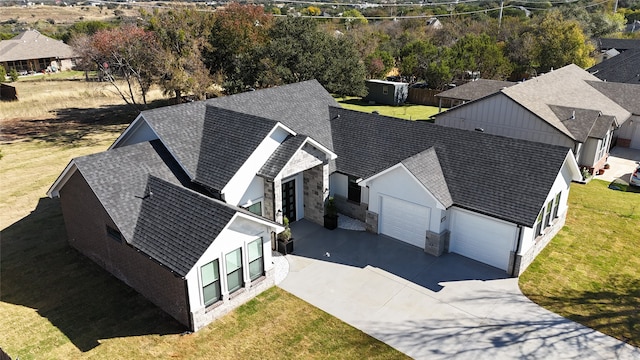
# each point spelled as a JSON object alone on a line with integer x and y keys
{"x": 622, "y": 162}
{"x": 449, "y": 307}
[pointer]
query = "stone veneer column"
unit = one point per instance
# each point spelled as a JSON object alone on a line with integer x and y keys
{"x": 269, "y": 209}
{"x": 436, "y": 244}
{"x": 315, "y": 180}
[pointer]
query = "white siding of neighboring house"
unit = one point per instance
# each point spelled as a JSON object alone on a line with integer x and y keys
{"x": 139, "y": 132}
{"x": 237, "y": 187}
{"x": 238, "y": 234}
{"x": 499, "y": 115}
{"x": 398, "y": 183}
{"x": 630, "y": 129}
{"x": 594, "y": 150}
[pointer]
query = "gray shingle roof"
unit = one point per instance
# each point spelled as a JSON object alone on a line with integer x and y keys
{"x": 622, "y": 68}
{"x": 618, "y": 44}
{"x": 626, "y": 95}
{"x": 475, "y": 89}
{"x": 425, "y": 166}
{"x": 566, "y": 87}
{"x": 484, "y": 173}
{"x": 303, "y": 107}
{"x": 582, "y": 123}
{"x": 228, "y": 139}
{"x": 118, "y": 178}
{"x": 281, "y": 156}
{"x": 177, "y": 225}
{"x": 31, "y": 44}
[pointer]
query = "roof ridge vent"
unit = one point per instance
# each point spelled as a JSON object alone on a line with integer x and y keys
{"x": 573, "y": 115}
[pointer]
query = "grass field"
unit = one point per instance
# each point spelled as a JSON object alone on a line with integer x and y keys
{"x": 62, "y": 14}
{"x": 57, "y": 304}
{"x": 590, "y": 272}
{"x": 406, "y": 111}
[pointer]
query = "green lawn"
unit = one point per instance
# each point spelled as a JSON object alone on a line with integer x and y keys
{"x": 57, "y": 304}
{"x": 406, "y": 111}
{"x": 590, "y": 272}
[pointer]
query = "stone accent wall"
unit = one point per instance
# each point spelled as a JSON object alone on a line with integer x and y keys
{"x": 523, "y": 261}
{"x": 436, "y": 244}
{"x": 304, "y": 159}
{"x": 350, "y": 208}
{"x": 269, "y": 205}
{"x": 371, "y": 222}
{"x": 315, "y": 180}
{"x": 204, "y": 316}
{"x": 86, "y": 222}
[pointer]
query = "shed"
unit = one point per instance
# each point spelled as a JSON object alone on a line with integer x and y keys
{"x": 387, "y": 92}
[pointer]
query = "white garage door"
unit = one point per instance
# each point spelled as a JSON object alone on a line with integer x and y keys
{"x": 404, "y": 220}
{"x": 481, "y": 238}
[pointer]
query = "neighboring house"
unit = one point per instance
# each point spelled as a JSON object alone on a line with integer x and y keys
{"x": 186, "y": 204}
{"x": 557, "y": 108}
{"x": 621, "y": 45}
{"x": 31, "y": 51}
{"x": 434, "y": 23}
{"x": 622, "y": 68}
{"x": 472, "y": 90}
{"x": 386, "y": 92}
{"x": 627, "y": 96}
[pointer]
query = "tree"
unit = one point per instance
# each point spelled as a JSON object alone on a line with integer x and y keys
{"x": 89, "y": 27}
{"x": 182, "y": 35}
{"x": 236, "y": 31}
{"x": 480, "y": 53}
{"x": 378, "y": 64}
{"x": 298, "y": 50}
{"x": 13, "y": 75}
{"x": 3, "y": 74}
{"x": 353, "y": 18}
{"x": 129, "y": 53}
{"x": 559, "y": 42}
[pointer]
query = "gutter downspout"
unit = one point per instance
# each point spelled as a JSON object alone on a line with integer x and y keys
{"x": 515, "y": 255}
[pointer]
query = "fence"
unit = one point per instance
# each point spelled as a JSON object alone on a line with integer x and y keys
{"x": 423, "y": 96}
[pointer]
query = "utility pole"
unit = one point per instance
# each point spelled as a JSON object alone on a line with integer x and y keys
{"x": 502, "y": 5}
{"x": 615, "y": 7}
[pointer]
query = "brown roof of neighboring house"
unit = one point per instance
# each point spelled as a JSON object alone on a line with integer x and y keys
{"x": 31, "y": 44}
{"x": 475, "y": 89}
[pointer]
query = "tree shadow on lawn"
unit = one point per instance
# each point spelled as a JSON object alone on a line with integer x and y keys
{"x": 41, "y": 271}
{"x": 71, "y": 125}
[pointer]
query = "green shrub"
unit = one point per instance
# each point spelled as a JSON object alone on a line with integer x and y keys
{"x": 13, "y": 75}
{"x": 3, "y": 74}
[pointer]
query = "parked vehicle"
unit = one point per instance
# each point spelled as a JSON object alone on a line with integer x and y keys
{"x": 635, "y": 176}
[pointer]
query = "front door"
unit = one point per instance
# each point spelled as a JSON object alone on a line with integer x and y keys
{"x": 289, "y": 200}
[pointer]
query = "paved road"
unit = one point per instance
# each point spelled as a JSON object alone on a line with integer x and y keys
{"x": 432, "y": 308}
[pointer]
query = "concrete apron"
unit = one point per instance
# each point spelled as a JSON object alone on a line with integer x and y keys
{"x": 449, "y": 307}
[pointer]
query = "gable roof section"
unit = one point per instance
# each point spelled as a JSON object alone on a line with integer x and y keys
{"x": 475, "y": 89}
{"x": 565, "y": 87}
{"x": 303, "y": 107}
{"x": 228, "y": 139}
{"x": 626, "y": 95}
{"x": 281, "y": 156}
{"x": 583, "y": 123}
{"x": 118, "y": 178}
{"x": 425, "y": 166}
{"x": 622, "y": 68}
{"x": 484, "y": 173}
{"x": 176, "y": 226}
{"x": 31, "y": 44}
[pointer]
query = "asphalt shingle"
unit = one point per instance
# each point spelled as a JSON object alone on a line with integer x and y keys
{"x": 475, "y": 89}
{"x": 176, "y": 225}
{"x": 622, "y": 68}
{"x": 281, "y": 156}
{"x": 485, "y": 173}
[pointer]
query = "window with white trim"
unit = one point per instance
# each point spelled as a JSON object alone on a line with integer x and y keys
{"x": 233, "y": 261}
{"x": 556, "y": 204}
{"x": 547, "y": 215}
{"x": 538, "y": 226}
{"x": 256, "y": 259}
{"x": 210, "y": 274}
